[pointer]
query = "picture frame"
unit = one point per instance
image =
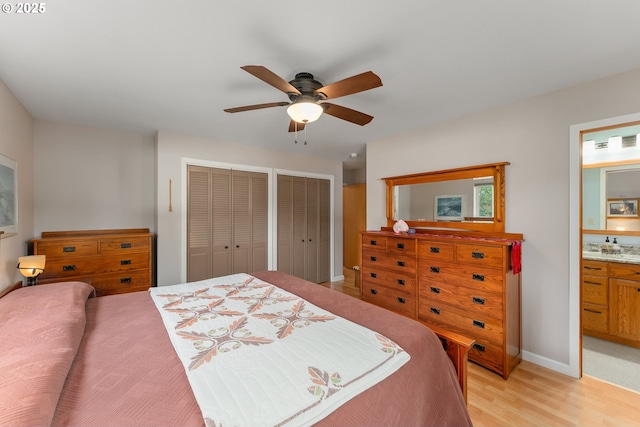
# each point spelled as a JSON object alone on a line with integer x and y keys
{"x": 8, "y": 196}
{"x": 622, "y": 208}
{"x": 449, "y": 207}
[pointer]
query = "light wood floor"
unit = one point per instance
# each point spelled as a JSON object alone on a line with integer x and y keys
{"x": 535, "y": 396}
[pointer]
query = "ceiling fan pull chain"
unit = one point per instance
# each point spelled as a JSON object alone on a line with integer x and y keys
{"x": 295, "y": 126}
{"x": 305, "y": 135}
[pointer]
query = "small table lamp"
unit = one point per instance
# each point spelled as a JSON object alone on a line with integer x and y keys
{"x": 31, "y": 266}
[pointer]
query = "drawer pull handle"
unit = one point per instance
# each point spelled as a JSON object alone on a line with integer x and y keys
{"x": 434, "y": 269}
{"x": 68, "y": 267}
{"x": 434, "y": 310}
{"x": 586, "y": 267}
{"x": 69, "y": 249}
{"x": 434, "y": 250}
{"x": 479, "y": 347}
{"x": 374, "y": 275}
{"x": 373, "y": 291}
{"x": 125, "y": 280}
{"x": 400, "y": 245}
{"x": 125, "y": 262}
{"x": 400, "y": 282}
{"x": 478, "y": 277}
{"x": 592, "y": 283}
{"x": 401, "y": 263}
{"x": 401, "y": 300}
{"x": 434, "y": 290}
{"x": 373, "y": 243}
{"x": 477, "y": 255}
{"x": 125, "y": 245}
{"x": 478, "y": 324}
{"x": 372, "y": 258}
{"x": 595, "y": 311}
{"x": 478, "y": 300}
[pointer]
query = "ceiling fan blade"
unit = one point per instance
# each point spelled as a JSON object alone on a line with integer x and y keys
{"x": 270, "y": 77}
{"x": 293, "y": 124}
{"x": 347, "y": 114}
{"x": 354, "y": 84}
{"x": 256, "y": 107}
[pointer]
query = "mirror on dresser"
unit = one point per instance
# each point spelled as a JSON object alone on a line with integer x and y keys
{"x": 470, "y": 198}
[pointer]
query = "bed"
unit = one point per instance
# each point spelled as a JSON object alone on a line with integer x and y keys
{"x": 69, "y": 359}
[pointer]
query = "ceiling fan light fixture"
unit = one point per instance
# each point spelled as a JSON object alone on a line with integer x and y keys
{"x": 304, "y": 112}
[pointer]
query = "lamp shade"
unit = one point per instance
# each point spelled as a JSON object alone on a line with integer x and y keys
{"x": 32, "y": 265}
{"x": 304, "y": 111}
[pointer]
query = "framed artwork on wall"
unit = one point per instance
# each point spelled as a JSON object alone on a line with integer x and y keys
{"x": 620, "y": 208}
{"x": 8, "y": 196}
{"x": 448, "y": 207}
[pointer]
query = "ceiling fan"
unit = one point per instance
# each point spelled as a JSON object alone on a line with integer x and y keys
{"x": 306, "y": 94}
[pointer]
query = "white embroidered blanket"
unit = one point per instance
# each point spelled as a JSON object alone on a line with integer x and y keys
{"x": 257, "y": 355}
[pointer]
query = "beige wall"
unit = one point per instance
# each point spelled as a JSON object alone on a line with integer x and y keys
{"x": 16, "y": 143}
{"x": 533, "y": 135}
{"x": 172, "y": 150}
{"x": 89, "y": 178}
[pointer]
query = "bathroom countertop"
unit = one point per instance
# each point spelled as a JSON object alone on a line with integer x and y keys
{"x": 623, "y": 258}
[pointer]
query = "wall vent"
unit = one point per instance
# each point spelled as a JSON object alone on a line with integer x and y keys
{"x": 629, "y": 141}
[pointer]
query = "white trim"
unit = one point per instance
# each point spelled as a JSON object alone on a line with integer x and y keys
{"x": 220, "y": 165}
{"x": 331, "y": 179}
{"x": 574, "y": 367}
{"x": 545, "y": 362}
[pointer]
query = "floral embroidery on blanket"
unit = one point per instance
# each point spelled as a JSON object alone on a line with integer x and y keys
{"x": 273, "y": 357}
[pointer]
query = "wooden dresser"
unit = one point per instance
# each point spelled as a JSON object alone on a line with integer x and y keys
{"x": 462, "y": 284}
{"x": 114, "y": 261}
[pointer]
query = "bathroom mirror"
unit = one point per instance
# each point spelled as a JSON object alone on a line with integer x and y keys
{"x": 470, "y": 198}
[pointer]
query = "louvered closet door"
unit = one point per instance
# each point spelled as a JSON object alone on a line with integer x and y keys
{"x": 304, "y": 236}
{"x": 312, "y": 234}
{"x": 221, "y": 221}
{"x": 198, "y": 223}
{"x": 324, "y": 231}
{"x": 227, "y": 222}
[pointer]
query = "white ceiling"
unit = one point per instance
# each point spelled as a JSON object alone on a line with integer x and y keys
{"x": 144, "y": 65}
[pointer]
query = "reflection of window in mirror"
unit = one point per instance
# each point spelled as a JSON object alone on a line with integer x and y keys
{"x": 483, "y": 197}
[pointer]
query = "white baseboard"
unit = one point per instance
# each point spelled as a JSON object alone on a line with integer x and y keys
{"x": 338, "y": 278}
{"x": 554, "y": 365}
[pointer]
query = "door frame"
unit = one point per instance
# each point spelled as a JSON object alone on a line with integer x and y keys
{"x": 574, "y": 368}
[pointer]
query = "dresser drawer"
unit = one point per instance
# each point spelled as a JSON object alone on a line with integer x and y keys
{"x": 488, "y": 354}
{"x": 624, "y": 271}
{"x": 66, "y": 249}
{"x": 375, "y": 243}
{"x": 119, "y": 283}
{"x": 595, "y": 318}
{"x": 399, "y": 263}
{"x": 123, "y": 245}
{"x": 476, "y": 301}
{"x": 437, "y": 251}
{"x": 595, "y": 290}
{"x": 476, "y": 326}
{"x": 81, "y": 266}
{"x": 398, "y": 245}
{"x": 482, "y": 255}
{"x": 402, "y": 282}
{"x": 482, "y": 279}
{"x": 388, "y": 298}
{"x": 594, "y": 268}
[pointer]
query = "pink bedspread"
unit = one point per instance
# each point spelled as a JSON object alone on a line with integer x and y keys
{"x": 126, "y": 372}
